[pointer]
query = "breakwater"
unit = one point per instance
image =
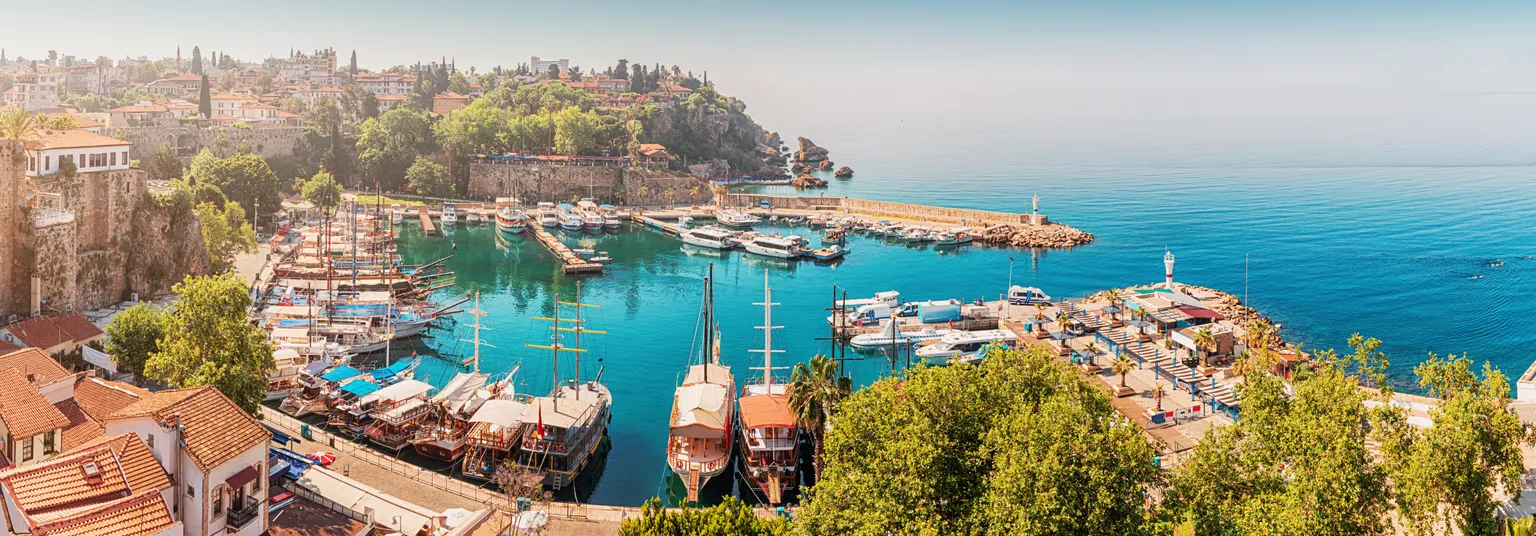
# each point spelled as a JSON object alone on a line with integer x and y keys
{"x": 998, "y": 228}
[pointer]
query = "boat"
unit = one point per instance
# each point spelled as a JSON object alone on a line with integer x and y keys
{"x": 684, "y": 220}
{"x": 709, "y": 236}
{"x": 890, "y": 334}
{"x": 562, "y": 431}
{"x": 947, "y": 238}
{"x": 781, "y": 247}
{"x": 450, "y": 215}
{"x": 769, "y": 434}
{"x": 396, "y": 411}
{"x": 397, "y": 216}
{"x": 917, "y": 236}
{"x": 509, "y": 218}
{"x": 736, "y": 218}
{"x": 493, "y": 435}
{"x": 471, "y": 217}
{"x": 569, "y": 219}
{"x": 959, "y": 342}
{"x": 548, "y": 216}
{"x": 315, "y": 388}
{"x": 611, "y": 219}
{"x": 592, "y": 219}
{"x": 701, "y": 431}
{"x": 443, "y": 434}
{"x": 830, "y": 253}
{"x": 601, "y": 257}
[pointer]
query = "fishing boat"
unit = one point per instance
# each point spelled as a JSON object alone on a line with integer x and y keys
{"x": 396, "y": 412}
{"x": 709, "y": 236}
{"x": 891, "y": 334}
{"x": 947, "y": 238}
{"x": 736, "y": 218}
{"x": 564, "y": 429}
{"x": 450, "y": 215}
{"x": 548, "y": 216}
{"x": 960, "y": 342}
{"x": 770, "y": 437}
{"x": 611, "y": 219}
{"x": 829, "y": 253}
{"x": 509, "y": 218}
{"x": 569, "y": 219}
{"x": 703, "y": 410}
{"x": 781, "y": 247}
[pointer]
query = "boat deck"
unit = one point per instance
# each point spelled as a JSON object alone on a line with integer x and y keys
{"x": 665, "y": 227}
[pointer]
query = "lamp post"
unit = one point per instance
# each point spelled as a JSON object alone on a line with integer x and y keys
{"x": 1010, "y": 275}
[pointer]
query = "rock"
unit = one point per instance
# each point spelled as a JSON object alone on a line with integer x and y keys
{"x": 826, "y": 165}
{"x": 809, "y": 151}
{"x": 843, "y": 172}
{"x": 1030, "y": 236}
{"x": 808, "y": 180}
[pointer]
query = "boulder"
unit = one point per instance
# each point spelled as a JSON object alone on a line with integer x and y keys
{"x": 809, "y": 151}
{"x": 843, "y": 172}
{"x": 808, "y": 180}
{"x": 826, "y": 165}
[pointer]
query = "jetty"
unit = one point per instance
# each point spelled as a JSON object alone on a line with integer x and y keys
{"x": 656, "y": 224}
{"x": 574, "y": 264}
{"x": 426, "y": 222}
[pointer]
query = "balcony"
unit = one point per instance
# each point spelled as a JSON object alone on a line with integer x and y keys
{"x": 48, "y": 217}
{"x": 243, "y": 515}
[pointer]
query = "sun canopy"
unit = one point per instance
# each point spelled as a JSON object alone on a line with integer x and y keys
{"x": 400, "y": 391}
{"x": 394, "y": 369}
{"x": 566, "y": 414}
{"x": 717, "y": 374}
{"x": 460, "y": 390}
{"x": 1195, "y": 313}
{"x": 360, "y": 388}
{"x": 340, "y": 373}
{"x": 766, "y": 411}
{"x": 500, "y": 412}
{"x": 398, "y": 413}
{"x": 701, "y": 410}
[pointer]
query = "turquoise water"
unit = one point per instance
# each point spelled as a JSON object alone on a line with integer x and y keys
{"x": 1386, "y": 225}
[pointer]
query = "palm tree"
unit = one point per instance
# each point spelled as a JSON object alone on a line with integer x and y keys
{"x": 1205, "y": 341}
{"x": 17, "y": 124}
{"x": 1122, "y": 365}
{"x": 1063, "y": 319}
{"x": 694, "y": 193}
{"x": 814, "y": 392}
{"x": 1093, "y": 352}
{"x": 1039, "y": 311}
{"x": 1113, "y": 295}
{"x": 645, "y": 193}
{"x": 1157, "y": 395}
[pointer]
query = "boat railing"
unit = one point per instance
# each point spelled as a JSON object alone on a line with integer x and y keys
{"x": 760, "y": 443}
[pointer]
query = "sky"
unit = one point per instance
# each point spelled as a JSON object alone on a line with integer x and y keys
{"x": 803, "y": 61}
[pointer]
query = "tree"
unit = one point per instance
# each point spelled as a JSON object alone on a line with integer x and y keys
{"x": 575, "y": 132}
{"x": 1018, "y": 444}
{"x": 430, "y": 179}
{"x": 134, "y": 335}
{"x": 358, "y": 104}
{"x": 63, "y": 122}
{"x": 554, "y": 72}
{"x": 244, "y": 179}
{"x": 295, "y": 105}
{"x": 814, "y": 392}
{"x": 322, "y": 190}
{"x": 621, "y": 70}
{"x": 225, "y": 233}
{"x": 204, "y": 101}
{"x": 1205, "y": 341}
{"x": 386, "y": 146}
{"x": 473, "y": 129}
{"x": 17, "y": 124}
{"x": 208, "y": 342}
{"x": 729, "y": 518}
{"x": 458, "y": 84}
{"x": 197, "y": 61}
{"x": 326, "y": 115}
{"x": 164, "y": 165}
{"x": 1122, "y": 365}
{"x": 353, "y": 64}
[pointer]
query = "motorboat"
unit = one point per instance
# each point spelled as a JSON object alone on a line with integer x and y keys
{"x": 548, "y": 216}
{"x": 947, "y": 238}
{"x": 830, "y": 253}
{"x": 601, "y": 257}
{"x": 781, "y": 247}
{"x": 890, "y": 334}
{"x": 960, "y": 342}
{"x": 611, "y": 219}
{"x": 397, "y": 216}
{"x": 736, "y": 218}
{"x": 684, "y": 221}
{"x": 509, "y": 218}
{"x": 592, "y": 219}
{"x": 701, "y": 431}
{"x": 569, "y": 219}
{"x": 396, "y": 410}
{"x": 710, "y": 236}
{"x": 450, "y": 215}
{"x": 769, "y": 433}
{"x": 472, "y": 218}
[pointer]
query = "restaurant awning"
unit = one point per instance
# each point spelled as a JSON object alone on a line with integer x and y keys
{"x": 1199, "y": 313}
{"x": 243, "y": 477}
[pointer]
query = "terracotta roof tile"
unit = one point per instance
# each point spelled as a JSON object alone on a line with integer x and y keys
{"x": 139, "y": 466}
{"x": 78, "y": 327}
{"x": 141, "y": 514}
{"x": 100, "y": 398}
{"x": 82, "y": 428}
{"x": 33, "y": 362}
{"x": 215, "y": 428}
{"x": 61, "y": 482}
{"x": 77, "y": 139}
{"x": 24, "y": 410}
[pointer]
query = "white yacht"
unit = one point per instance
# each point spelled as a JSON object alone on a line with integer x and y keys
{"x": 611, "y": 219}
{"x": 891, "y": 334}
{"x": 450, "y": 215}
{"x": 712, "y": 237}
{"x": 548, "y": 217}
{"x": 736, "y": 218}
{"x": 397, "y": 216}
{"x": 958, "y": 343}
{"x": 569, "y": 219}
{"x": 781, "y": 247}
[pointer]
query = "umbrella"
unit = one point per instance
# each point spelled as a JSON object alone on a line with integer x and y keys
{"x": 324, "y": 458}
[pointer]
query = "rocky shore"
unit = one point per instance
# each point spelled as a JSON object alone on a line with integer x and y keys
{"x": 1052, "y": 235}
{"x": 1230, "y": 306}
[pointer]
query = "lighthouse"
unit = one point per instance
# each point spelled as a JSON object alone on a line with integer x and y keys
{"x": 1168, "y": 268}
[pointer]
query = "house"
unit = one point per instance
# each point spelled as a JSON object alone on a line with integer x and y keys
{"x": 311, "y": 95}
{"x": 443, "y": 103}
{"x": 653, "y": 154}
{"x": 52, "y": 335}
{"x": 389, "y": 102}
{"x": 32, "y": 427}
{"x": 33, "y": 92}
{"x": 318, "y": 68}
{"x": 227, "y": 104}
{"x": 90, "y": 401}
{"x": 382, "y": 84}
{"x": 136, "y": 115}
{"x": 669, "y": 92}
{"x": 89, "y": 78}
{"x": 214, "y": 452}
{"x": 110, "y": 487}
{"x": 181, "y": 85}
{"x": 540, "y": 67}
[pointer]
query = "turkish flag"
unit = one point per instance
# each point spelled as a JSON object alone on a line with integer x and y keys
{"x": 538, "y": 432}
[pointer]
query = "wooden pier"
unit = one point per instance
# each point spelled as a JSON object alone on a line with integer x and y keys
{"x": 656, "y": 224}
{"x": 426, "y": 222}
{"x": 574, "y": 264}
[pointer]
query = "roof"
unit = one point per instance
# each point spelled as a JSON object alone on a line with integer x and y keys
{"x": 701, "y": 409}
{"x": 360, "y": 388}
{"x": 650, "y": 149}
{"x": 100, "y": 398}
{"x": 233, "y": 97}
{"x": 390, "y": 97}
{"x": 214, "y": 428}
{"x": 140, "y": 467}
{"x": 23, "y": 409}
{"x": 77, "y": 139}
{"x": 140, "y": 514}
{"x": 766, "y": 411}
{"x": 499, "y": 411}
{"x": 451, "y": 96}
{"x": 399, "y": 391}
{"x": 33, "y": 362}
{"x": 82, "y": 428}
{"x": 562, "y": 415}
{"x": 184, "y": 77}
{"x": 61, "y": 481}
{"x": 340, "y": 373}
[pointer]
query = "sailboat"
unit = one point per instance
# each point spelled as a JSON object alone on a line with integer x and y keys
{"x": 703, "y": 410}
{"x": 562, "y": 431}
{"x": 442, "y": 434}
{"x": 770, "y": 437}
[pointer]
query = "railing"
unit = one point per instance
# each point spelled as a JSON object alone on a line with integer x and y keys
{"x": 44, "y": 217}
{"x": 240, "y": 517}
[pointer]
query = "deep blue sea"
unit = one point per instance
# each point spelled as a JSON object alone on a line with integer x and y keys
{"x": 1387, "y": 222}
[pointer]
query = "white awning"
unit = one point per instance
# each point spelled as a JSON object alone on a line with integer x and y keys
{"x": 701, "y": 410}
{"x": 500, "y": 412}
{"x": 716, "y": 373}
{"x": 563, "y": 414}
{"x": 400, "y": 391}
{"x": 388, "y": 511}
{"x": 98, "y": 358}
{"x": 460, "y": 390}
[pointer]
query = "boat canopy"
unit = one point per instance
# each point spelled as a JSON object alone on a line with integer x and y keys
{"x": 500, "y": 412}
{"x": 700, "y": 410}
{"x": 285, "y": 354}
{"x": 394, "y": 370}
{"x": 316, "y": 367}
{"x": 460, "y": 390}
{"x": 766, "y": 411}
{"x": 399, "y": 413}
{"x": 717, "y": 374}
{"x": 341, "y": 373}
{"x": 399, "y": 391}
{"x": 360, "y": 388}
{"x": 565, "y": 414}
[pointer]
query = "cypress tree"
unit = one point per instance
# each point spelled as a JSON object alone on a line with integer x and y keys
{"x": 354, "y": 62}
{"x": 204, "y": 101}
{"x": 197, "y": 61}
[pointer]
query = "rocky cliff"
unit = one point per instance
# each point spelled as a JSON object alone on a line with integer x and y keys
{"x": 810, "y": 152}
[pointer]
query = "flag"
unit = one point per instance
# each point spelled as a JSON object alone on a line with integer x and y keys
{"x": 539, "y": 431}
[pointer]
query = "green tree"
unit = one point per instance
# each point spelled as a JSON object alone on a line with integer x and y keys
{"x": 133, "y": 335}
{"x": 326, "y": 115}
{"x": 63, "y": 122}
{"x": 430, "y": 179}
{"x": 1121, "y": 366}
{"x": 458, "y": 84}
{"x": 17, "y": 124}
{"x": 353, "y": 64}
{"x": 358, "y": 104}
{"x": 204, "y": 101}
{"x": 225, "y": 233}
{"x": 730, "y": 518}
{"x": 575, "y": 132}
{"x": 208, "y": 342}
{"x": 164, "y": 165}
{"x": 244, "y": 178}
{"x": 388, "y": 145}
{"x": 814, "y": 392}
{"x": 1018, "y": 444}
{"x": 294, "y": 105}
{"x": 197, "y": 61}
{"x": 473, "y": 129}
{"x": 322, "y": 190}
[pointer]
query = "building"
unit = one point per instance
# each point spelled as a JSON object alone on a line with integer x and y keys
{"x": 312, "y": 95}
{"x": 248, "y": 78}
{"x": 33, "y": 92}
{"x": 94, "y": 79}
{"x": 542, "y": 66}
{"x": 53, "y": 335}
{"x": 33, "y": 428}
{"x": 181, "y": 85}
{"x": 89, "y": 152}
{"x": 602, "y": 87}
{"x": 151, "y": 112}
{"x": 654, "y": 154}
{"x": 445, "y": 102}
{"x": 382, "y": 84}
{"x": 317, "y": 69}
{"x": 110, "y": 487}
{"x": 390, "y": 102}
{"x": 227, "y": 104}
{"x": 214, "y": 452}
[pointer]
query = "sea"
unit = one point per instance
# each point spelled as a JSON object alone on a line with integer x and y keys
{"x": 1410, "y": 218}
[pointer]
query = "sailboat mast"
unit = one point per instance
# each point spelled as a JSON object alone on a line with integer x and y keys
{"x": 578, "y": 340}
{"x": 478, "y": 314}
{"x": 555, "y": 352}
{"x": 709, "y": 320}
{"x": 767, "y": 328}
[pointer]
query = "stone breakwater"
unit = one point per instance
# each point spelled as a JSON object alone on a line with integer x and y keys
{"x": 1050, "y": 235}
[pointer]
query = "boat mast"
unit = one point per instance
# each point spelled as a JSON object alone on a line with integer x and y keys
{"x": 578, "y": 330}
{"x": 709, "y": 320}
{"x": 767, "y": 328}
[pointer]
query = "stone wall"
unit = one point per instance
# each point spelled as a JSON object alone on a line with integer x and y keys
{"x": 103, "y": 203}
{"x": 12, "y": 176}
{"x": 266, "y": 142}
{"x": 57, "y": 266}
{"x": 608, "y": 184}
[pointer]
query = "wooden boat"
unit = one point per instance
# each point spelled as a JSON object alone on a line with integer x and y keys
{"x": 770, "y": 437}
{"x": 315, "y": 388}
{"x": 703, "y": 411}
{"x": 562, "y": 431}
{"x": 442, "y": 433}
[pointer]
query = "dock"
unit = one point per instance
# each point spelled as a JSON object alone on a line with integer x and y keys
{"x": 574, "y": 264}
{"x": 656, "y": 224}
{"x": 426, "y": 222}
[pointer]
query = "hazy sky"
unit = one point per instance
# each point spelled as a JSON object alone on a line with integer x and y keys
{"x": 797, "y": 60}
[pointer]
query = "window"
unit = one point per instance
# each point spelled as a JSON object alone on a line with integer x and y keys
{"x": 31, "y": 163}
{"x": 125, "y": 158}
{"x": 47, "y": 163}
{"x": 218, "y": 501}
{"x": 26, "y": 449}
{"x": 149, "y": 441}
{"x": 114, "y": 159}
{"x": 190, "y": 491}
{"x": 48, "y": 443}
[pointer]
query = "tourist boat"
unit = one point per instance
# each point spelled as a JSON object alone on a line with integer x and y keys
{"x": 511, "y": 220}
{"x": 284, "y": 379}
{"x": 611, "y": 219}
{"x": 315, "y": 388}
{"x": 781, "y": 247}
{"x": 709, "y": 236}
{"x": 891, "y": 334}
{"x": 396, "y": 216}
{"x": 947, "y": 238}
{"x": 442, "y": 432}
{"x": 493, "y": 435}
{"x": 548, "y": 216}
{"x": 592, "y": 219}
{"x": 829, "y": 253}
{"x": 563, "y": 431}
{"x": 736, "y": 218}
{"x": 958, "y": 342}
{"x": 450, "y": 216}
{"x": 569, "y": 219}
{"x": 396, "y": 411}
{"x": 703, "y": 410}
{"x": 770, "y": 436}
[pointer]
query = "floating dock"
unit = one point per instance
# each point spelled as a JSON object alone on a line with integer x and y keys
{"x": 574, "y": 264}
{"x": 426, "y": 222}
{"x": 656, "y": 224}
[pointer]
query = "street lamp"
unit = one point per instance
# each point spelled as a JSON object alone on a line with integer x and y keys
{"x": 1010, "y": 274}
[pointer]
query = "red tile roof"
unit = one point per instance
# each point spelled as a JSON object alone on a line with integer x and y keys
{"x": 23, "y": 409}
{"x": 62, "y": 483}
{"x": 33, "y": 362}
{"x": 140, "y": 514}
{"x": 101, "y": 398}
{"x": 215, "y": 429}
{"x": 139, "y": 466}
{"x": 82, "y": 428}
{"x": 77, "y": 139}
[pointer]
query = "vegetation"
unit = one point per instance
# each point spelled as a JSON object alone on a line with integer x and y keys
{"x": 208, "y": 342}
{"x": 164, "y": 165}
{"x": 814, "y": 392}
{"x": 730, "y": 518}
{"x": 133, "y": 335}
{"x": 243, "y": 178}
{"x": 430, "y": 179}
{"x": 322, "y": 190}
{"x": 226, "y": 233}
{"x": 17, "y": 124}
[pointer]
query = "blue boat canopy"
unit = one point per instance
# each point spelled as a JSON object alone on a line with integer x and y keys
{"x": 278, "y": 436}
{"x": 359, "y": 388}
{"x": 605, "y": 206}
{"x": 340, "y": 373}
{"x": 296, "y": 462}
{"x": 393, "y": 370}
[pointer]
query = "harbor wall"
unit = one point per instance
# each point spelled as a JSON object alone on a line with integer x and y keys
{"x": 888, "y": 209}
{"x": 12, "y": 176}
{"x": 608, "y": 184}
{"x": 187, "y": 141}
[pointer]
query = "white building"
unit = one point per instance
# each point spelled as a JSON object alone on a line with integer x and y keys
{"x": 542, "y": 66}
{"x": 33, "y": 92}
{"x": 390, "y": 102}
{"x": 381, "y": 84}
{"x": 318, "y": 68}
{"x": 89, "y": 152}
{"x": 311, "y": 95}
{"x": 231, "y": 104}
